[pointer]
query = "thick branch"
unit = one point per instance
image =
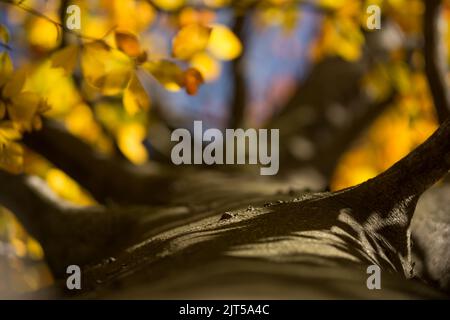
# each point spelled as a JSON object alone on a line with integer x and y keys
{"x": 16, "y": 194}
{"x": 68, "y": 234}
{"x": 435, "y": 61}
{"x": 368, "y": 224}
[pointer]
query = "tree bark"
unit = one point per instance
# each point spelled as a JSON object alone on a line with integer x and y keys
{"x": 364, "y": 225}
{"x": 68, "y": 234}
{"x": 235, "y": 246}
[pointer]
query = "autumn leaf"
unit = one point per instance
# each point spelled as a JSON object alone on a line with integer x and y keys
{"x": 135, "y": 98}
{"x": 92, "y": 61}
{"x": 128, "y": 43}
{"x": 107, "y": 70}
{"x": 66, "y": 58}
{"x": 14, "y": 85}
{"x": 402, "y": 77}
{"x": 208, "y": 66}
{"x": 130, "y": 137}
{"x": 190, "y": 40}
{"x": 168, "y": 73}
{"x": 169, "y": 5}
{"x": 11, "y": 157}
{"x": 23, "y": 109}
{"x": 224, "y": 44}
{"x": 11, "y": 153}
{"x": 20, "y": 106}
{"x": 343, "y": 38}
{"x": 8, "y": 132}
{"x": 43, "y": 107}
{"x": 192, "y": 80}
{"x": 6, "y": 68}
{"x": 332, "y": 4}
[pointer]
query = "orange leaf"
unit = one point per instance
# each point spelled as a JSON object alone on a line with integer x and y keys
{"x": 192, "y": 80}
{"x": 128, "y": 43}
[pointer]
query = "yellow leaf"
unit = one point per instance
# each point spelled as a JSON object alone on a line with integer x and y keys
{"x": 34, "y": 250}
{"x": 54, "y": 86}
{"x": 128, "y": 43}
{"x": 344, "y": 38}
{"x": 130, "y": 139}
{"x": 11, "y": 157}
{"x": 23, "y": 109}
{"x": 113, "y": 82}
{"x": 104, "y": 69}
{"x": 43, "y": 106}
{"x": 332, "y": 4}
{"x": 66, "y": 58}
{"x": 6, "y": 68}
{"x": 169, "y": 74}
{"x": 224, "y": 44}
{"x": 8, "y": 132}
{"x": 14, "y": 85}
{"x": 218, "y": 3}
{"x": 92, "y": 61}
{"x": 43, "y": 33}
{"x": 209, "y": 67}
{"x": 125, "y": 14}
{"x": 66, "y": 188}
{"x": 135, "y": 98}
{"x": 169, "y": 5}
{"x": 190, "y": 40}
{"x": 402, "y": 77}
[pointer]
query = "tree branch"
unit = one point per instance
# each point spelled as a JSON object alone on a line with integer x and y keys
{"x": 435, "y": 61}
{"x": 237, "y": 116}
{"x": 105, "y": 178}
{"x": 368, "y": 224}
{"x": 62, "y": 16}
{"x": 68, "y": 234}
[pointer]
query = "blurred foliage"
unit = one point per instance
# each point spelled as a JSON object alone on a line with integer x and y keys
{"x": 21, "y": 258}
{"x": 97, "y": 82}
{"x": 408, "y": 123}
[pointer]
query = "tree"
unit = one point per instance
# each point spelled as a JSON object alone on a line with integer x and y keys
{"x": 162, "y": 230}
